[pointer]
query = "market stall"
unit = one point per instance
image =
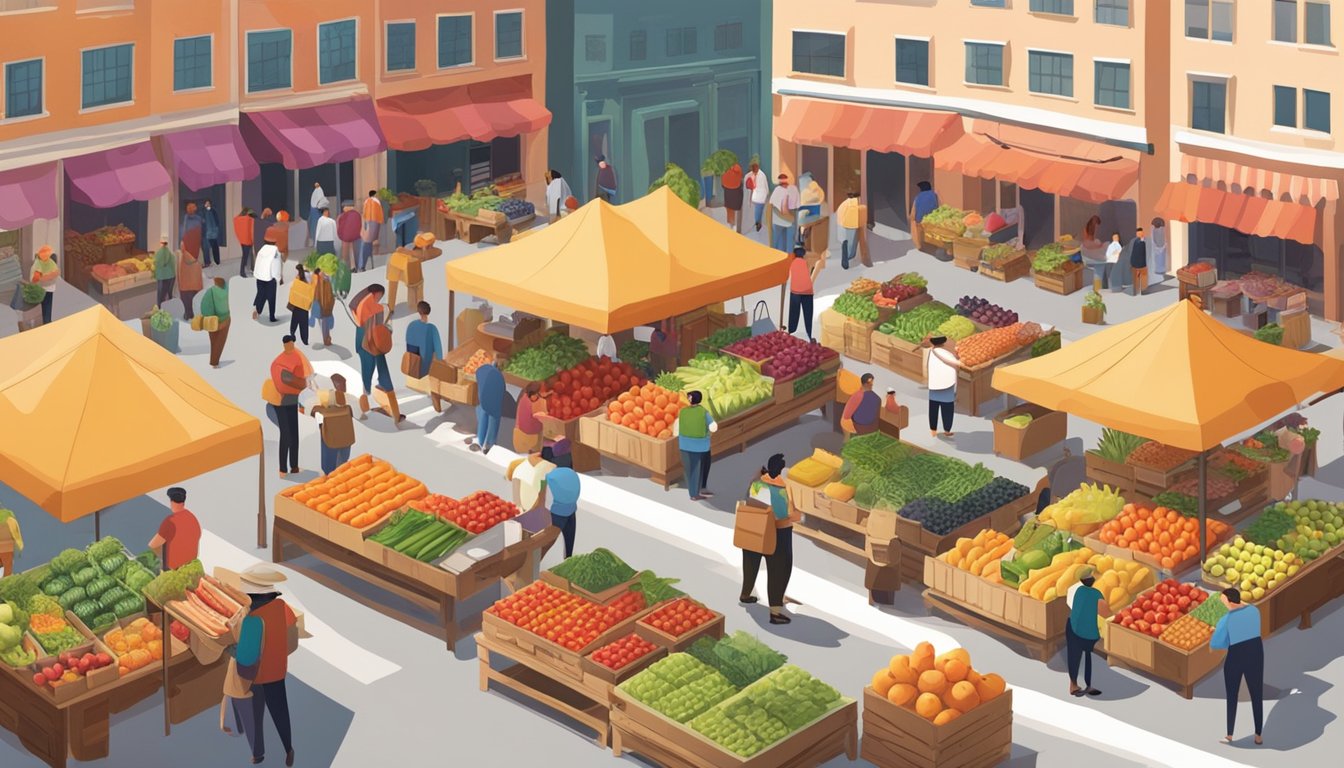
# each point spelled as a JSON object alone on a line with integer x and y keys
{"x": 490, "y": 211}
{"x": 1054, "y": 269}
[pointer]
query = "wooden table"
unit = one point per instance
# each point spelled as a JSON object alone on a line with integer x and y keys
{"x": 113, "y": 296}
{"x": 538, "y": 682}
{"x": 515, "y": 565}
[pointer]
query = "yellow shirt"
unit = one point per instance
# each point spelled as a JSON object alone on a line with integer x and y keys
{"x": 848, "y": 213}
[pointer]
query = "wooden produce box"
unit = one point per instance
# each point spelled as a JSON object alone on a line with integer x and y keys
{"x": 1158, "y": 480}
{"x": 1305, "y": 592}
{"x": 859, "y": 340}
{"x": 659, "y": 456}
{"x": 601, "y": 598}
{"x": 286, "y": 508}
{"x": 899, "y": 356}
{"x": 1118, "y": 476}
{"x": 896, "y": 737}
{"x": 1164, "y": 661}
{"x": 1047, "y": 429}
{"x": 1125, "y": 553}
{"x": 1064, "y": 283}
{"x": 1005, "y": 519}
{"x": 832, "y": 330}
{"x": 807, "y": 499}
{"x": 1203, "y": 279}
{"x": 678, "y": 643}
{"x": 1003, "y": 610}
{"x": 595, "y": 672}
{"x": 975, "y": 385}
{"x": 1007, "y": 269}
{"x": 562, "y": 664}
{"x": 966, "y": 251}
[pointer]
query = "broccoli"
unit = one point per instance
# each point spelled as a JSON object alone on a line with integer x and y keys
{"x": 45, "y": 604}
{"x": 104, "y": 548}
{"x": 69, "y": 561}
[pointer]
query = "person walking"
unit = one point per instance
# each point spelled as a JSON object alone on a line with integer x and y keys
{"x": 732, "y": 196}
{"x": 325, "y": 234}
{"x": 267, "y": 275}
{"x": 783, "y": 213}
{"x": 1138, "y": 262}
{"x": 244, "y": 228}
{"x": 212, "y": 231}
{"x": 769, "y": 488}
{"x": 299, "y": 302}
{"x": 265, "y": 223}
{"x": 529, "y": 474}
{"x": 317, "y": 203}
{"x": 190, "y": 220}
{"x": 847, "y": 215}
{"x": 942, "y": 372}
{"x": 758, "y": 184}
{"x": 1081, "y": 633}
{"x": 324, "y": 302}
{"x": 491, "y": 390}
{"x": 215, "y": 303}
{"x": 527, "y": 427}
{"x": 862, "y": 410}
{"x": 268, "y": 635}
{"x": 1157, "y": 271}
{"x": 46, "y": 273}
{"x": 280, "y": 232}
{"x": 563, "y": 485}
{"x": 423, "y": 340}
{"x": 165, "y": 271}
{"x": 373, "y": 225}
{"x": 693, "y": 428}
{"x": 373, "y": 339}
{"x": 289, "y": 374}
{"x": 557, "y": 192}
{"x": 1238, "y": 633}
{"x": 178, "y": 539}
{"x": 190, "y": 279}
{"x": 348, "y": 225}
{"x": 801, "y": 288}
{"x": 335, "y": 427}
{"x": 606, "y": 180}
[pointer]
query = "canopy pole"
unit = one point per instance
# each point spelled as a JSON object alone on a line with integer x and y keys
{"x": 783, "y": 296}
{"x": 97, "y": 524}
{"x": 261, "y": 500}
{"x": 167, "y": 656}
{"x": 1203, "y": 497}
{"x": 452, "y": 317}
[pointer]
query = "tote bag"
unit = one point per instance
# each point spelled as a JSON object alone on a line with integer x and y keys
{"x": 754, "y": 527}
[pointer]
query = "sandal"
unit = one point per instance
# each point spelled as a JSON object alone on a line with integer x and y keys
{"x": 1093, "y": 692}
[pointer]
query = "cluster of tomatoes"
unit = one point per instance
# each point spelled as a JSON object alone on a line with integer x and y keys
{"x": 479, "y": 512}
{"x": 586, "y": 386}
{"x": 1160, "y": 606}
{"x": 564, "y": 619}
{"x": 620, "y": 653}
{"x": 678, "y": 617}
{"x": 438, "y": 504}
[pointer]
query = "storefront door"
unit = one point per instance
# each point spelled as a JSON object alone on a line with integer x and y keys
{"x": 734, "y": 120}
{"x": 1236, "y": 253}
{"x": 273, "y": 188}
{"x": 848, "y": 175}
{"x": 599, "y": 144}
{"x": 887, "y": 200}
{"x": 1038, "y": 214}
{"x": 816, "y": 161}
{"x": 338, "y": 182}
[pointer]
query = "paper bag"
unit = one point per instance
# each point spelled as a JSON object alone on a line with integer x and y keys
{"x": 754, "y": 528}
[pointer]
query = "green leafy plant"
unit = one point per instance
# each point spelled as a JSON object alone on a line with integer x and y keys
{"x": 160, "y": 320}
{"x": 681, "y": 184}
{"x": 1270, "y": 334}
{"x": 32, "y": 293}
{"x": 915, "y": 279}
{"x": 1116, "y": 445}
{"x": 997, "y": 252}
{"x": 718, "y": 163}
{"x": 634, "y": 352}
{"x": 860, "y": 308}
{"x": 669, "y": 381}
{"x": 1050, "y": 258}
{"x": 387, "y": 196}
{"x": 726, "y": 336}
{"x": 1093, "y": 300}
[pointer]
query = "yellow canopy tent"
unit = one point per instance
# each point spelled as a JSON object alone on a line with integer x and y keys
{"x": 1177, "y": 376}
{"x": 95, "y": 414}
{"x": 610, "y": 268}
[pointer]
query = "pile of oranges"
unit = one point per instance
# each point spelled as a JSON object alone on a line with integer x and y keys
{"x": 649, "y": 410}
{"x": 1163, "y": 533}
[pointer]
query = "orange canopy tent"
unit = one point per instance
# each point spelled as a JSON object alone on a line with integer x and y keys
{"x": 94, "y": 414}
{"x": 610, "y": 268}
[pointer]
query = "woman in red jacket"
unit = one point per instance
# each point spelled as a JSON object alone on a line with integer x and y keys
{"x": 268, "y": 635}
{"x": 245, "y": 227}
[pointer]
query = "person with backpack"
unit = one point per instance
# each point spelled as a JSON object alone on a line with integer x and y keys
{"x": 215, "y": 303}
{"x": 290, "y": 374}
{"x": 324, "y": 301}
{"x": 336, "y": 426}
{"x": 373, "y": 340}
{"x": 268, "y": 634}
{"x": 692, "y": 429}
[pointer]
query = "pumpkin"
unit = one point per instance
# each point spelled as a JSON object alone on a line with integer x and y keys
{"x": 990, "y": 687}
{"x": 946, "y": 716}
{"x": 928, "y": 706}
{"x": 933, "y": 682}
{"x": 963, "y": 697}
{"x": 902, "y": 694}
{"x": 882, "y": 682}
{"x": 902, "y": 671}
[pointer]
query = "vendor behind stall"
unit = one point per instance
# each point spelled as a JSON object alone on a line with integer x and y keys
{"x": 863, "y": 409}
{"x": 527, "y": 427}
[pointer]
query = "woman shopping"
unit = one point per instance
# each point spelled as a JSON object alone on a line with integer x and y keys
{"x": 779, "y": 564}
{"x": 324, "y": 301}
{"x": 943, "y": 365}
{"x": 300, "y": 300}
{"x": 373, "y": 340}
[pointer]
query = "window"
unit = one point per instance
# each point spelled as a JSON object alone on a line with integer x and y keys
{"x": 1113, "y": 12}
{"x": 728, "y": 37}
{"x": 1315, "y": 110}
{"x": 912, "y": 61}
{"x": 1208, "y": 105}
{"x": 455, "y": 44}
{"x": 984, "y": 63}
{"x": 191, "y": 63}
{"x": 268, "y": 60}
{"x": 336, "y": 51}
{"x": 400, "y": 46}
{"x": 1112, "y": 81}
{"x": 595, "y": 48}
{"x": 639, "y": 45}
{"x": 509, "y": 35}
{"x": 1062, "y": 7}
{"x": 819, "y": 53}
{"x": 682, "y": 41}
{"x": 1050, "y": 73}
{"x": 1285, "y": 21}
{"x": 23, "y": 88}
{"x": 107, "y": 76}
{"x": 1285, "y": 106}
{"x": 1209, "y": 19}
{"x": 990, "y": 3}
{"x": 1316, "y": 28}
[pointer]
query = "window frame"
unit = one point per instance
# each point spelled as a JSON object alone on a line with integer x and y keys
{"x": 355, "y": 76}
{"x": 1329, "y": 40}
{"x": 1073, "y": 72}
{"x": 1097, "y": 8}
{"x": 989, "y": 3}
{"x": 5, "y": 117}
{"x": 247, "y": 60}
{"x": 680, "y": 34}
{"x": 1306, "y": 92}
{"x": 1209, "y": 6}
{"x": 644, "y": 42}
{"x": 522, "y": 34}
{"x": 606, "y": 50}
{"x": 211, "y": 69}
{"x": 1208, "y": 79}
{"x": 793, "y": 56}
{"x": 1097, "y": 64}
{"x": 1032, "y": 7}
{"x": 727, "y": 27}
{"x": 387, "y": 52}
{"x": 129, "y": 101}
{"x": 438, "y": 40}
{"x": 1294, "y": 22}
{"x": 1276, "y": 91}
{"x": 1003, "y": 68}
{"x": 928, "y": 59}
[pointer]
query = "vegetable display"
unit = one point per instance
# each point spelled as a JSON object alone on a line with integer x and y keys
{"x": 1050, "y": 258}
{"x": 1187, "y": 505}
{"x": 808, "y": 382}
{"x": 621, "y": 653}
{"x": 993, "y": 254}
{"x": 767, "y": 711}
{"x": 994, "y": 343}
{"x": 863, "y": 286}
{"x": 983, "y": 312}
{"x": 554, "y": 353}
{"x": 480, "y": 511}
{"x": 938, "y": 688}
{"x": 649, "y": 410}
{"x": 1159, "y": 456}
{"x": 679, "y": 617}
{"x": 561, "y": 618}
{"x": 1158, "y": 608}
{"x": 596, "y": 571}
{"x": 739, "y": 657}
{"x": 1116, "y": 446}
{"x": 788, "y": 355}
{"x": 900, "y": 288}
{"x": 860, "y": 308}
{"x": 655, "y": 588}
{"x": 1163, "y": 533}
{"x": 729, "y": 385}
{"x": 726, "y": 337}
{"x": 1050, "y": 342}
{"x": 583, "y": 388}
{"x": 917, "y": 324}
{"x": 137, "y": 645}
{"x": 173, "y": 584}
{"x": 679, "y": 687}
{"x": 69, "y": 668}
{"x": 420, "y": 535}
{"x": 1263, "y": 447}
{"x": 634, "y": 352}
{"x": 956, "y": 328}
{"x": 946, "y": 217}
{"x": 360, "y": 492}
{"x": 1093, "y": 300}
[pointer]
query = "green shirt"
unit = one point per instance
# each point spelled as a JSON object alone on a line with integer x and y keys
{"x": 215, "y": 303}
{"x": 46, "y": 267}
{"x": 165, "y": 264}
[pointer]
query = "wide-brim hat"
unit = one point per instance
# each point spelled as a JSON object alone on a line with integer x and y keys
{"x": 260, "y": 579}
{"x": 424, "y": 245}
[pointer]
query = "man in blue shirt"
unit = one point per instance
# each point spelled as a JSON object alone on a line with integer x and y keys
{"x": 1081, "y": 634}
{"x": 490, "y": 390}
{"x": 1238, "y": 633}
{"x": 563, "y": 485}
{"x": 925, "y": 202}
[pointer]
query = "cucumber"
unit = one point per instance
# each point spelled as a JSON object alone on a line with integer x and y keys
{"x": 435, "y": 543}
{"x": 420, "y": 538}
{"x": 409, "y": 531}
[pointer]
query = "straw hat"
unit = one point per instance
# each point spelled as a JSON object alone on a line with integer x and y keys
{"x": 424, "y": 246}
{"x": 260, "y": 579}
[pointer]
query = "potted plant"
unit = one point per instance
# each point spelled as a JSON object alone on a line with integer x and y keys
{"x": 28, "y": 303}
{"x": 714, "y": 165}
{"x": 161, "y": 328}
{"x": 681, "y": 184}
{"x": 1094, "y": 309}
{"x": 426, "y": 188}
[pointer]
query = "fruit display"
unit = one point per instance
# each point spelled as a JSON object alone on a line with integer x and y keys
{"x": 360, "y": 492}
{"x": 860, "y": 308}
{"x": 985, "y": 313}
{"x": 621, "y": 653}
{"x": 486, "y": 198}
{"x": 994, "y": 343}
{"x": 52, "y": 632}
{"x": 207, "y": 608}
{"x": 423, "y": 536}
{"x": 515, "y": 209}
{"x": 946, "y": 217}
{"x": 554, "y": 353}
{"x": 900, "y": 288}
{"x": 1263, "y": 447}
{"x": 13, "y": 623}
{"x": 480, "y": 511}
{"x": 1158, "y": 456}
{"x": 137, "y": 645}
{"x": 1084, "y": 510}
{"x": 1157, "y": 609}
{"x": 956, "y": 328}
{"x": 586, "y": 386}
{"x": 739, "y": 657}
{"x": 1050, "y": 342}
{"x": 679, "y": 687}
{"x": 649, "y": 410}
{"x": 788, "y": 355}
{"x": 436, "y": 504}
{"x": 1116, "y": 446}
{"x": 478, "y": 358}
{"x": 69, "y": 668}
{"x": 1020, "y": 421}
{"x": 1052, "y": 257}
{"x": 1118, "y": 580}
{"x": 679, "y": 617}
{"x": 596, "y": 571}
{"x": 567, "y": 620}
{"x": 1163, "y": 533}
{"x": 1318, "y": 526}
{"x": 767, "y": 711}
{"x": 938, "y": 688}
{"x": 726, "y": 337}
{"x": 919, "y": 323}
{"x": 1255, "y": 569}
{"x": 1187, "y": 633}
{"x": 1216, "y": 486}
{"x": 863, "y": 286}
{"x": 980, "y": 554}
{"x": 116, "y": 234}
{"x": 729, "y": 385}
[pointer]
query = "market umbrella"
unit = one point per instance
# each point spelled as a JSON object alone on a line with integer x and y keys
{"x": 1177, "y": 376}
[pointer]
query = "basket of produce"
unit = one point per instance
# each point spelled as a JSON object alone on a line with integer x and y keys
{"x": 554, "y": 353}
{"x": 901, "y": 294}
{"x": 863, "y": 286}
{"x": 988, "y": 347}
{"x": 554, "y": 618}
{"x": 582, "y": 388}
{"x": 944, "y": 223}
{"x": 600, "y": 576}
{"x": 1160, "y": 538}
{"x": 618, "y": 660}
{"x": 424, "y": 536}
{"x": 730, "y": 386}
{"x": 1201, "y": 274}
{"x": 678, "y": 623}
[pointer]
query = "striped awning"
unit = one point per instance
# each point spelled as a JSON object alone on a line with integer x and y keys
{"x": 1238, "y": 177}
{"x": 817, "y": 122}
{"x": 1247, "y": 213}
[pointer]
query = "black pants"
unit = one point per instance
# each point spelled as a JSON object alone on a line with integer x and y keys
{"x": 778, "y": 568}
{"x": 946, "y": 409}
{"x": 1245, "y": 660}
{"x": 265, "y": 297}
{"x": 210, "y": 249}
{"x": 165, "y": 291}
{"x": 270, "y": 696}
{"x": 1078, "y": 649}
{"x": 567, "y": 524}
{"x": 244, "y": 260}
{"x": 298, "y": 324}
{"x": 289, "y": 437}
{"x": 46, "y": 312}
{"x": 800, "y": 303}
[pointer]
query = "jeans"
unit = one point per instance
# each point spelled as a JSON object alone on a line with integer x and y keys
{"x": 324, "y": 246}
{"x": 849, "y": 242}
{"x": 947, "y": 410}
{"x": 269, "y": 696}
{"x": 165, "y": 291}
{"x": 313, "y": 216}
{"x": 778, "y": 568}
{"x": 369, "y": 238}
{"x": 566, "y": 524}
{"x": 265, "y": 297}
{"x": 369, "y": 363}
{"x": 607, "y": 194}
{"x": 288, "y": 417}
{"x": 350, "y": 252}
{"x": 800, "y": 304}
{"x": 244, "y": 259}
{"x": 782, "y": 238}
{"x": 210, "y": 247}
{"x": 487, "y": 427}
{"x": 760, "y": 212}
{"x": 298, "y": 324}
{"x": 333, "y": 458}
{"x": 1245, "y": 660}
{"x": 695, "y": 467}
{"x": 1079, "y": 648}
{"x": 46, "y": 306}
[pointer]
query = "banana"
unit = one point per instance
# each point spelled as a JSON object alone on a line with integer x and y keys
{"x": 13, "y": 523}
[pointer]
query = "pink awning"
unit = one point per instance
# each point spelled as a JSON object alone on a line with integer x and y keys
{"x": 480, "y": 111}
{"x": 27, "y": 194}
{"x": 116, "y": 176}
{"x": 208, "y": 156}
{"x": 306, "y": 137}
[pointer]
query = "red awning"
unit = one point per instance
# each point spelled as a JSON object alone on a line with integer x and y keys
{"x": 480, "y": 111}
{"x": 208, "y": 156}
{"x": 1250, "y": 214}
{"x": 27, "y": 194}
{"x": 117, "y": 176}
{"x": 306, "y": 137}
{"x": 1060, "y": 165}
{"x": 857, "y": 126}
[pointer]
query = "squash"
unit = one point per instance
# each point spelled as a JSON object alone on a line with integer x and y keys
{"x": 839, "y": 491}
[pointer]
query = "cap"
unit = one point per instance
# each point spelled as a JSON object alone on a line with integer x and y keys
{"x": 1086, "y": 572}
{"x": 177, "y": 494}
{"x": 45, "y": 250}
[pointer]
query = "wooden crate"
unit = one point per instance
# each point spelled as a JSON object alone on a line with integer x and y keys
{"x": 996, "y": 608}
{"x": 286, "y": 508}
{"x": 1125, "y": 553}
{"x": 1063, "y": 283}
{"x": 859, "y": 340}
{"x": 966, "y": 251}
{"x": 1118, "y": 476}
{"x": 975, "y": 386}
{"x": 1005, "y": 519}
{"x": 807, "y": 499}
{"x": 604, "y": 597}
{"x": 677, "y": 643}
{"x": 561, "y": 663}
{"x": 1047, "y": 429}
{"x": 1162, "y": 479}
{"x": 596, "y": 672}
{"x": 899, "y": 356}
{"x": 660, "y": 457}
{"x": 1164, "y": 661}
{"x": 1009, "y": 269}
{"x": 896, "y": 737}
{"x": 1305, "y": 592}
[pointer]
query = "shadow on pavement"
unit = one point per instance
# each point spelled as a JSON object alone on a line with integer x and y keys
{"x": 804, "y": 629}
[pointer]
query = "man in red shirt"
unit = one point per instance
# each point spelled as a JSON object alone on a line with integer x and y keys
{"x": 348, "y": 226}
{"x": 179, "y": 534}
{"x": 801, "y": 282}
{"x": 244, "y": 226}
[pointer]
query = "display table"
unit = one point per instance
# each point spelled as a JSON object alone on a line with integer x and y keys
{"x": 975, "y": 385}
{"x": 1069, "y": 280}
{"x": 996, "y": 609}
{"x": 896, "y": 736}
{"x": 1144, "y": 653}
{"x": 1306, "y": 592}
{"x": 114, "y": 294}
{"x": 1007, "y": 269}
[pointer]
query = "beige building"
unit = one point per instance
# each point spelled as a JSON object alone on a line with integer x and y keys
{"x": 1056, "y": 108}
{"x": 1256, "y": 164}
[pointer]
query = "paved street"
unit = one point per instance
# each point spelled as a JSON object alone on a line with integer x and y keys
{"x": 371, "y": 691}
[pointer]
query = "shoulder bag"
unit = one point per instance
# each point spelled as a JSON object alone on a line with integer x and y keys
{"x": 754, "y": 527}
{"x": 410, "y": 362}
{"x": 377, "y": 336}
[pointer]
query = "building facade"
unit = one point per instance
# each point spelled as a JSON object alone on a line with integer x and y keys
{"x": 645, "y": 86}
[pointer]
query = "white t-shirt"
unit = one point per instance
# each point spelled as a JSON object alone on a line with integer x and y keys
{"x": 762, "y": 191}
{"x": 942, "y": 374}
{"x": 530, "y": 478}
{"x": 784, "y": 199}
{"x": 268, "y": 262}
{"x": 1113, "y": 252}
{"x": 557, "y": 192}
{"x": 318, "y": 201}
{"x": 326, "y": 229}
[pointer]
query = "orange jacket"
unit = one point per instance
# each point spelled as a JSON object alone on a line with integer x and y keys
{"x": 244, "y": 227}
{"x": 373, "y": 210}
